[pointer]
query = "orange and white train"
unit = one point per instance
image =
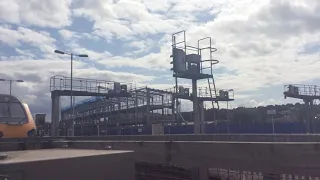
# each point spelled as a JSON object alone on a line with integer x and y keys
{"x": 16, "y": 120}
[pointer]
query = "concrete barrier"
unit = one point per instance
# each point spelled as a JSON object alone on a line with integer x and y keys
{"x": 68, "y": 164}
{"x": 210, "y": 137}
{"x": 279, "y": 158}
{"x": 185, "y": 137}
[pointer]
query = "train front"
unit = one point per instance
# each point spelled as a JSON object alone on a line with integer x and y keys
{"x": 15, "y": 118}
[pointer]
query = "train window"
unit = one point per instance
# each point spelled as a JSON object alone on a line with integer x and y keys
{"x": 12, "y": 111}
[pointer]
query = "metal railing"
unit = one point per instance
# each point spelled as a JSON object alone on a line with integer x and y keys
{"x": 81, "y": 84}
{"x": 306, "y": 90}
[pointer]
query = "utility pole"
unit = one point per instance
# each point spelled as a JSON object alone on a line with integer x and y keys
{"x": 10, "y": 81}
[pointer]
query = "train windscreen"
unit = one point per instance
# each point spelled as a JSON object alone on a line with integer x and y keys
{"x": 11, "y": 111}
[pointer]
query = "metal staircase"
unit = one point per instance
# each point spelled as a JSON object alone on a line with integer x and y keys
{"x": 215, "y": 91}
{"x": 212, "y": 62}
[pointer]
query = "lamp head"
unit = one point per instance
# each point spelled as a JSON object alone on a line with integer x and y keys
{"x": 59, "y": 52}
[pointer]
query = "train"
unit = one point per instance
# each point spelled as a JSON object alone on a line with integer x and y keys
{"x": 16, "y": 120}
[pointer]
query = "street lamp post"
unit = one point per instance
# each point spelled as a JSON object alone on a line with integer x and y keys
{"x": 11, "y": 82}
{"x": 71, "y": 83}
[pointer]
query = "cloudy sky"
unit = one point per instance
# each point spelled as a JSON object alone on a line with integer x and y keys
{"x": 262, "y": 45}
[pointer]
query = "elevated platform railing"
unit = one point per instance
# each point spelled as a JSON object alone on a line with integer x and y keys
{"x": 204, "y": 92}
{"x": 62, "y": 83}
{"x": 300, "y": 91}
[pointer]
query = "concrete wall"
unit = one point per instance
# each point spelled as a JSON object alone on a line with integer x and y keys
{"x": 269, "y": 156}
{"x": 215, "y": 137}
{"x": 103, "y": 167}
{"x": 190, "y": 137}
{"x": 279, "y": 158}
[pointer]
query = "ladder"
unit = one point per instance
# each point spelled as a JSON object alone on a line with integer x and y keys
{"x": 211, "y": 50}
{"x": 212, "y": 62}
{"x": 215, "y": 92}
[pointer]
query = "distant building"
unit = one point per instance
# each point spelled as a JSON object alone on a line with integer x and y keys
{"x": 40, "y": 120}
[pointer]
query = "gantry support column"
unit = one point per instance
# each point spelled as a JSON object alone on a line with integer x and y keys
{"x": 136, "y": 107}
{"x": 173, "y": 108}
{"x": 148, "y": 107}
{"x": 162, "y": 102}
{"x": 196, "y": 119}
{"x": 201, "y": 111}
{"x": 312, "y": 125}
{"x": 308, "y": 104}
{"x": 55, "y": 113}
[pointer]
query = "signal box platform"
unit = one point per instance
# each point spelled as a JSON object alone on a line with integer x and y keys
{"x": 190, "y": 75}
{"x": 66, "y": 164}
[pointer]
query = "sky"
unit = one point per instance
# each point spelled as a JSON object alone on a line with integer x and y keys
{"x": 262, "y": 44}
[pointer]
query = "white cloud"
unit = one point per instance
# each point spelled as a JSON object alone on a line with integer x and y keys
{"x": 151, "y": 61}
{"x": 158, "y": 6}
{"x": 15, "y": 37}
{"x": 90, "y": 36}
{"x": 54, "y": 14}
{"x": 48, "y": 68}
{"x": 260, "y": 45}
{"x": 35, "y": 90}
{"x": 66, "y": 34}
{"x": 122, "y": 19}
{"x": 259, "y": 42}
{"x": 25, "y": 53}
